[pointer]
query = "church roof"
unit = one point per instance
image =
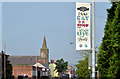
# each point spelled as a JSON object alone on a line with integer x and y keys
{"x": 22, "y": 60}
{"x": 44, "y": 46}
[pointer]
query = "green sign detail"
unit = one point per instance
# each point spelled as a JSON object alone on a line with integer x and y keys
{"x": 86, "y": 45}
{"x": 82, "y": 32}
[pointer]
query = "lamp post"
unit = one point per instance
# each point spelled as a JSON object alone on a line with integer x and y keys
{"x": 93, "y": 39}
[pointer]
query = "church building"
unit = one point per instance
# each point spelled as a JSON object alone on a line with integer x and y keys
{"x": 26, "y": 66}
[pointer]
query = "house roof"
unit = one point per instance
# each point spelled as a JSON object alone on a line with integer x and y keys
{"x": 39, "y": 65}
{"x": 22, "y": 60}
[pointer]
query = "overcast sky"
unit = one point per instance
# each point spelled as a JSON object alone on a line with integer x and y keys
{"x": 26, "y": 23}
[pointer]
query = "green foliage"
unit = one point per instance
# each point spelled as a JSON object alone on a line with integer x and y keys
{"x": 108, "y": 57}
{"x": 61, "y": 65}
{"x": 114, "y": 0}
{"x": 82, "y": 68}
{"x": 115, "y": 58}
{"x": 7, "y": 67}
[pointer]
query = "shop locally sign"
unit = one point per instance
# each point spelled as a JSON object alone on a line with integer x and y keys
{"x": 83, "y": 26}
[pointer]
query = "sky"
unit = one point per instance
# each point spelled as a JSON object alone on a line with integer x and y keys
{"x": 24, "y": 25}
{"x": 54, "y": 0}
{"x": 0, "y": 26}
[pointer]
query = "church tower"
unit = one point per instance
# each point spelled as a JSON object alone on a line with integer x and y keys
{"x": 44, "y": 52}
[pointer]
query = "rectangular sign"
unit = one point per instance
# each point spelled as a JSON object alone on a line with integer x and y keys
{"x": 83, "y": 26}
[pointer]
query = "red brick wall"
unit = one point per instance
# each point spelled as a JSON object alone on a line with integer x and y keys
{"x": 22, "y": 69}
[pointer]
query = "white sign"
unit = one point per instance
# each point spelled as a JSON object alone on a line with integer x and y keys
{"x": 83, "y": 26}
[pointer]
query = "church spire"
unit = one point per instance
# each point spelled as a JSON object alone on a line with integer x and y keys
{"x": 44, "y": 52}
{"x": 44, "y": 46}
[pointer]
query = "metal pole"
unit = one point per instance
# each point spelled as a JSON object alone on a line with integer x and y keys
{"x": 1, "y": 36}
{"x": 5, "y": 48}
{"x": 0, "y": 25}
{"x": 93, "y": 39}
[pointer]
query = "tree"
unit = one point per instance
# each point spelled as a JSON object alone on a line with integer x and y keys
{"x": 82, "y": 68}
{"x": 108, "y": 58}
{"x": 61, "y": 65}
{"x": 114, "y": 70}
{"x": 8, "y": 69}
{"x": 104, "y": 51}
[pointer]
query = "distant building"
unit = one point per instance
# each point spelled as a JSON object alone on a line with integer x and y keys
{"x": 53, "y": 72}
{"x": 71, "y": 71}
{"x": 25, "y": 66}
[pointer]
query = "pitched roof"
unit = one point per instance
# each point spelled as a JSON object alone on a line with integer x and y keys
{"x": 46, "y": 65}
{"x": 44, "y": 46}
{"x": 39, "y": 65}
{"x": 22, "y": 60}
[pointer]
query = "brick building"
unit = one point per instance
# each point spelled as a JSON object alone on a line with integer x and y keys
{"x": 22, "y": 70}
{"x": 24, "y": 65}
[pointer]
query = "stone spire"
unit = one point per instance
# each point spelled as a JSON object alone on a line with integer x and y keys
{"x": 44, "y": 46}
{"x": 44, "y": 53}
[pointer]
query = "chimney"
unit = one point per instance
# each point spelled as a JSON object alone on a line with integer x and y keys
{"x": 52, "y": 61}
